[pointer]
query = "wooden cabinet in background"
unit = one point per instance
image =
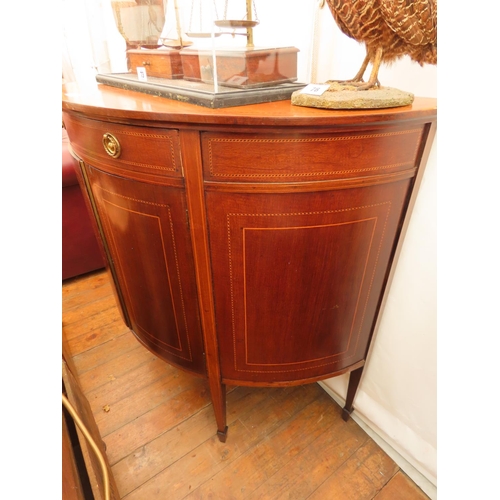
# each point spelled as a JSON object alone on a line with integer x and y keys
{"x": 251, "y": 245}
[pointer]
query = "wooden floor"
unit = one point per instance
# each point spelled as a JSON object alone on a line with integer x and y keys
{"x": 159, "y": 428}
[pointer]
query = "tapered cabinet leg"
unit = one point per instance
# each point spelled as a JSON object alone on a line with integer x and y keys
{"x": 218, "y": 393}
{"x": 354, "y": 379}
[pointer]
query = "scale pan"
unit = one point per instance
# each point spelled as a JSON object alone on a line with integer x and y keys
{"x": 176, "y": 44}
{"x": 230, "y": 23}
{"x": 201, "y": 35}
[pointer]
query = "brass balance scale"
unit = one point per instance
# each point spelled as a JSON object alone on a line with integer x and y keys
{"x": 248, "y": 24}
{"x": 244, "y": 67}
{"x": 207, "y": 74}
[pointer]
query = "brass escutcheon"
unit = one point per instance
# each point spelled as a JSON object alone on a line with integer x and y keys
{"x": 111, "y": 145}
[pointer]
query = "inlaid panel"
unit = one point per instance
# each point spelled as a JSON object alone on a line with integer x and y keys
{"x": 146, "y": 231}
{"x": 297, "y": 278}
{"x": 307, "y": 157}
{"x": 313, "y": 269}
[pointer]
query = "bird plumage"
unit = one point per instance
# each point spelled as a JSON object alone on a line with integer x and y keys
{"x": 390, "y": 29}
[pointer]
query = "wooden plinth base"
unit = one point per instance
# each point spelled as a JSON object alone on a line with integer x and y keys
{"x": 199, "y": 93}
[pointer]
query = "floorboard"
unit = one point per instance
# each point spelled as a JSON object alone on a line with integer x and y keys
{"x": 159, "y": 427}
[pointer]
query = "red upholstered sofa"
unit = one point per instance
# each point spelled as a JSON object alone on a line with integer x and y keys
{"x": 80, "y": 249}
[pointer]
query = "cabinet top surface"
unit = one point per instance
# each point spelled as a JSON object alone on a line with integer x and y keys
{"x": 109, "y": 103}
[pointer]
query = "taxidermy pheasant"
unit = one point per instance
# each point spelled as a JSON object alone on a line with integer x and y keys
{"x": 390, "y": 29}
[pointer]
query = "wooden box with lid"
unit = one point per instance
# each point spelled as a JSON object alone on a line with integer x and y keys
{"x": 161, "y": 63}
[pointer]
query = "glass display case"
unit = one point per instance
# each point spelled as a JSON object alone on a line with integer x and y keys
{"x": 207, "y": 52}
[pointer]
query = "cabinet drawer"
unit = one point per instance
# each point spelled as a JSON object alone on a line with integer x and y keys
{"x": 301, "y": 157}
{"x": 138, "y": 149}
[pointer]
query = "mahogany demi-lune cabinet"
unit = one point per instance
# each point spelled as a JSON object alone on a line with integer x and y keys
{"x": 251, "y": 245}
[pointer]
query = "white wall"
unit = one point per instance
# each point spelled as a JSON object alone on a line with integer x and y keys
{"x": 91, "y": 42}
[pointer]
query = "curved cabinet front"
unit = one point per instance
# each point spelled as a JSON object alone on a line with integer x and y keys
{"x": 298, "y": 277}
{"x": 251, "y": 245}
{"x": 134, "y": 180}
{"x": 145, "y": 227}
{"x": 302, "y": 228}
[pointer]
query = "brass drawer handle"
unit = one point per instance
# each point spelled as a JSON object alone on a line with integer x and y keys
{"x": 111, "y": 145}
{"x": 146, "y": 63}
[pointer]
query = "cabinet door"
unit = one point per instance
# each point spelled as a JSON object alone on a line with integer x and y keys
{"x": 298, "y": 277}
{"x": 145, "y": 229}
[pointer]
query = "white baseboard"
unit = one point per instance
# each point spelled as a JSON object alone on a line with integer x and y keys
{"x": 415, "y": 475}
